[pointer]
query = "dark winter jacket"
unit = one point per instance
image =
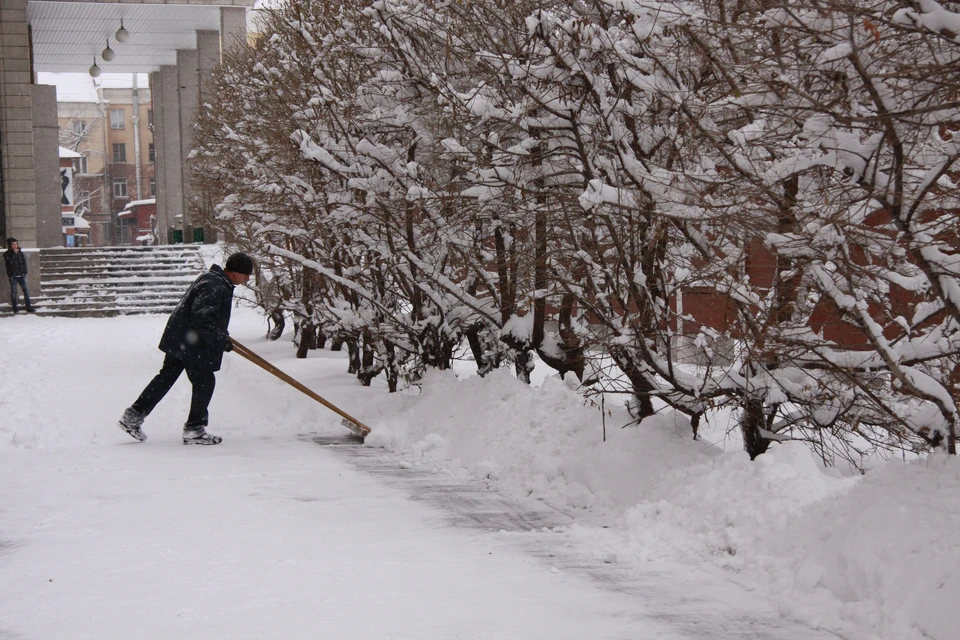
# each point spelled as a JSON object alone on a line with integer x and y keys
{"x": 16, "y": 263}
{"x": 197, "y": 329}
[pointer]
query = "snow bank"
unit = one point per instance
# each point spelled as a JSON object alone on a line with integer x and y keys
{"x": 546, "y": 442}
{"x": 876, "y": 552}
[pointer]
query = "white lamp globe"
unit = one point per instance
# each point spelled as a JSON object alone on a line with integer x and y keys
{"x": 122, "y": 35}
{"x": 95, "y": 70}
{"x": 108, "y": 54}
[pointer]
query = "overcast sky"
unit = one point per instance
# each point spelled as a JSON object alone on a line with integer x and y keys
{"x": 80, "y": 87}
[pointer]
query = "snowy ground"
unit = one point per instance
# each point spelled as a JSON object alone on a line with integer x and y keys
{"x": 271, "y": 536}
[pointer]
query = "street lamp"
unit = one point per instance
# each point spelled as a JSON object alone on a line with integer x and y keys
{"x": 95, "y": 71}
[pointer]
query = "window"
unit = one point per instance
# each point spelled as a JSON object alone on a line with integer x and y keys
{"x": 78, "y": 127}
{"x": 119, "y": 187}
{"x": 150, "y": 118}
{"x": 83, "y": 200}
{"x": 80, "y": 165}
{"x": 126, "y": 229}
{"x": 117, "y": 119}
{"x": 153, "y": 153}
{"x": 119, "y": 152}
{"x": 153, "y": 187}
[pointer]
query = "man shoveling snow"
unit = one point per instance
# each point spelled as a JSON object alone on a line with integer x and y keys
{"x": 194, "y": 340}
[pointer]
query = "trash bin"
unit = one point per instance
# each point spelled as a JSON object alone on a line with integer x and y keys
{"x": 198, "y": 234}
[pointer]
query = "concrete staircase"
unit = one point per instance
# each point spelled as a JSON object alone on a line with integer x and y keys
{"x": 111, "y": 281}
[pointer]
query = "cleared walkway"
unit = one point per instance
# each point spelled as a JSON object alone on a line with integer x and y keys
{"x": 271, "y": 536}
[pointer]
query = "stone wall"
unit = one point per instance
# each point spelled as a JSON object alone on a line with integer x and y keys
{"x": 16, "y": 124}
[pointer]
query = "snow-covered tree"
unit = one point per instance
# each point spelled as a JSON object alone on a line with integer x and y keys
{"x": 735, "y": 203}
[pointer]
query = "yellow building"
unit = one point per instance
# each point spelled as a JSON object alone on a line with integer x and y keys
{"x": 110, "y": 124}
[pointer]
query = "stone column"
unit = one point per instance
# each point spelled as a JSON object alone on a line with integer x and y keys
{"x": 19, "y": 204}
{"x": 46, "y": 159}
{"x": 233, "y": 29}
{"x": 159, "y": 152}
{"x": 208, "y": 51}
{"x": 188, "y": 70}
{"x": 172, "y": 165}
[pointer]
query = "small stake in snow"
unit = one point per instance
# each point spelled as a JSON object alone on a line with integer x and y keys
{"x": 348, "y": 421}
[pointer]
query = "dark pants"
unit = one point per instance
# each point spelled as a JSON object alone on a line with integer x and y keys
{"x": 22, "y": 281}
{"x": 203, "y": 383}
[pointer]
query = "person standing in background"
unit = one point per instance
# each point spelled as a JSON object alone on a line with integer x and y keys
{"x": 16, "y": 265}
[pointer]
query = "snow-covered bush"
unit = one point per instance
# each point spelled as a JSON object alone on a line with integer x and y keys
{"x": 701, "y": 204}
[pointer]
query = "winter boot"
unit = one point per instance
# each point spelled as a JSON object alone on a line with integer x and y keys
{"x": 199, "y": 435}
{"x": 130, "y": 422}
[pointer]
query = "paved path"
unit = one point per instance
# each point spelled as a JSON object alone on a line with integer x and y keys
{"x": 720, "y": 610}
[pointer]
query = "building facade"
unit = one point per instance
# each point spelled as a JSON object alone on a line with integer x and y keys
{"x": 114, "y": 137}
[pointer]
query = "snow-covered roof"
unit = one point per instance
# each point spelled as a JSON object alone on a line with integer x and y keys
{"x": 68, "y": 153}
{"x": 137, "y": 203}
{"x": 126, "y": 213}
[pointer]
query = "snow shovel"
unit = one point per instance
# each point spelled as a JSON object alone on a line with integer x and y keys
{"x": 349, "y": 422}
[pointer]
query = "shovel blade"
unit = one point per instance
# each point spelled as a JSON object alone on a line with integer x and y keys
{"x": 354, "y": 427}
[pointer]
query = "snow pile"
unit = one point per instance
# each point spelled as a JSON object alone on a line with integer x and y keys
{"x": 546, "y": 442}
{"x": 876, "y": 552}
{"x": 887, "y": 551}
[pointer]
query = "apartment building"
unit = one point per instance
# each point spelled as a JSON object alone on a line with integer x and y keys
{"x": 111, "y": 127}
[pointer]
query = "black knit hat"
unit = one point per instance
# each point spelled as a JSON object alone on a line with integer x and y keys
{"x": 239, "y": 263}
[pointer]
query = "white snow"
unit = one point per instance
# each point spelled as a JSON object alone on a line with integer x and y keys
{"x": 271, "y": 536}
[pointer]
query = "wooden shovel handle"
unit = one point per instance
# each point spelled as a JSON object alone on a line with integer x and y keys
{"x": 260, "y": 362}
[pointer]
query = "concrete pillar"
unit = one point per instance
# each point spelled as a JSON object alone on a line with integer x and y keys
{"x": 18, "y": 206}
{"x": 169, "y": 96}
{"x": 233, "y": 29}
{"x": 208, "y": 50}
{"x": 159, "y": 149}
{"x": 188, "y": 70}
{"x": 46, "y": 158}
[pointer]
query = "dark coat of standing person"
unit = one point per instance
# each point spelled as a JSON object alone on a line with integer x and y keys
{"x": 194, "y": 341}
{"x": 16, "y": 265}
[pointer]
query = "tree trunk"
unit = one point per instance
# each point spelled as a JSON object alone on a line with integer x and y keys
{"x": 353, "y": 355}
{"x": 487, "y": 359}
{"x": 308, "y": 339}
{"x": 390, "y": 366}
{"x": 278, "y": 324}
{"x": 752, "y": 421}
{"x": 523, "y": 363}
{"x": 368, "y": 367}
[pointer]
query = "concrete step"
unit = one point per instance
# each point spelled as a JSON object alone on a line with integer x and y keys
{"x": 102, "y": 312}
{"x": 116, "y": 281}
{"x": 122, "y": 273}
{"x": 121, "y": 306}
{"x": 159, "y": 265}
{"x": 161, "y": 249}
{"x": 66, "y": 288}
{"x": 109, "y": 281}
